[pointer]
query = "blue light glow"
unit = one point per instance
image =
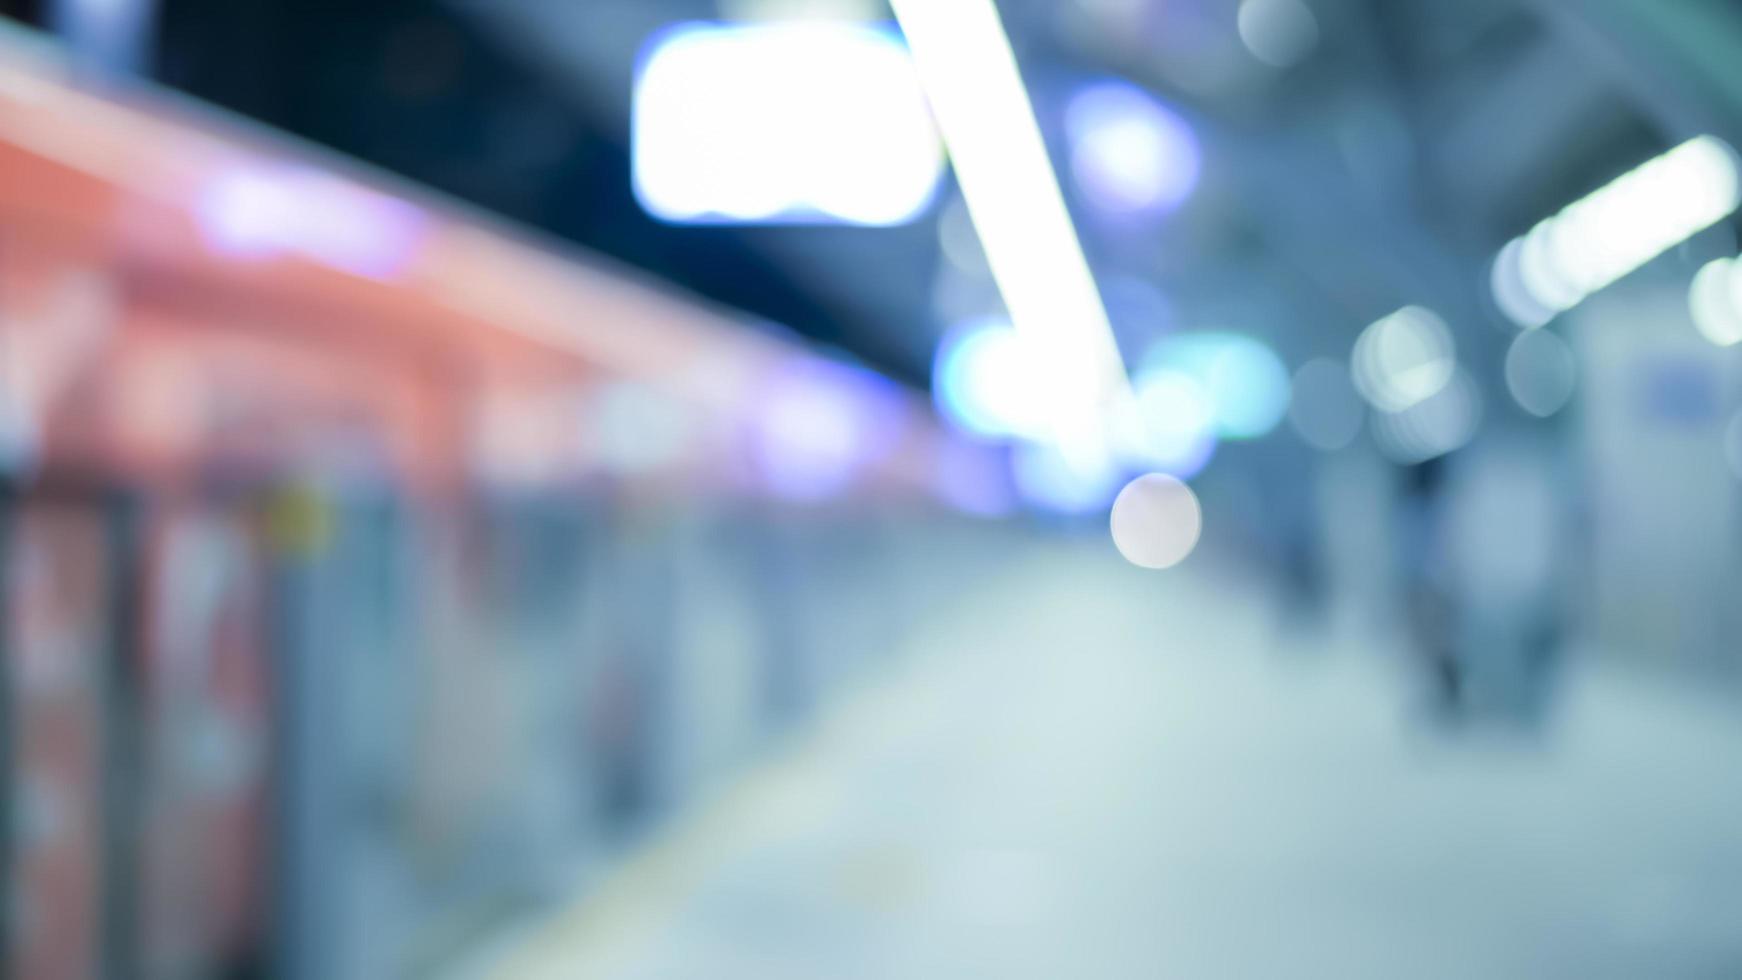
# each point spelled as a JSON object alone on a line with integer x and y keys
{"x": 987, "y": 382}
{"x": 1130, "y": 154}
{"x": 1245, "y": 381}
{"x": 1049, "y": 480}
{"x": 1177, "y": 425}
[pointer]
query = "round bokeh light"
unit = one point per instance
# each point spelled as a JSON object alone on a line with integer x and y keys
{"x": 1156, "y": 521}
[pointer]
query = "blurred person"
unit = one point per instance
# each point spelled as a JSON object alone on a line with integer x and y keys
{"x": 1428, "y": 596}
{"x": 1293, "y": 541}
{"x": 1506, "y": 548}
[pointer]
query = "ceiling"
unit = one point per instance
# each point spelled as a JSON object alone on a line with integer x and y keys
{"x": 1384, "y": 167}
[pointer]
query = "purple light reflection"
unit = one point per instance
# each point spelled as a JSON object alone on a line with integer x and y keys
{"x": 819, "y": 424}
{"x": 263, "y": 213}
{"x": 973, "y": 478}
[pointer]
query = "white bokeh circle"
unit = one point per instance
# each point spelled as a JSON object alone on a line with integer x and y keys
{"x": 1156, "y": 521}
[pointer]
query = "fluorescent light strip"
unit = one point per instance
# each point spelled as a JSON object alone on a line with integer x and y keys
{"x": 983, "y": 112}
{"x": 1615, "y": 229}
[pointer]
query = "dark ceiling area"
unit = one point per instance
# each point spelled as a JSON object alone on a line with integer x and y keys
{"x": 414, "y": 88}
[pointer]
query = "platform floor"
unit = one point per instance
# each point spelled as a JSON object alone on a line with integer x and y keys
{"x": 1083, "y": 770}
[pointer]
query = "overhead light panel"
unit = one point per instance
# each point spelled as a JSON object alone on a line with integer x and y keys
{"x": 787, "y": 122}
{"x": 1616, "y": 229}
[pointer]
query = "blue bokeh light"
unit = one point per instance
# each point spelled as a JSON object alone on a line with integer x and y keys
{"x": 1049, "y": 480}
{"x": 986, "y": 383}
{"x": 1130, "y": 155}
{"x": 1176, "y": 424}
{"x": 1246, "y": 382}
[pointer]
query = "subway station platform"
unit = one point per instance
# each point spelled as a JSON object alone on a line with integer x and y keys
{"x": 1081, "y": 770}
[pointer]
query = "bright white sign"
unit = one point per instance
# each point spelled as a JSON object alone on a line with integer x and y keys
{"x": 821, "y": 122}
